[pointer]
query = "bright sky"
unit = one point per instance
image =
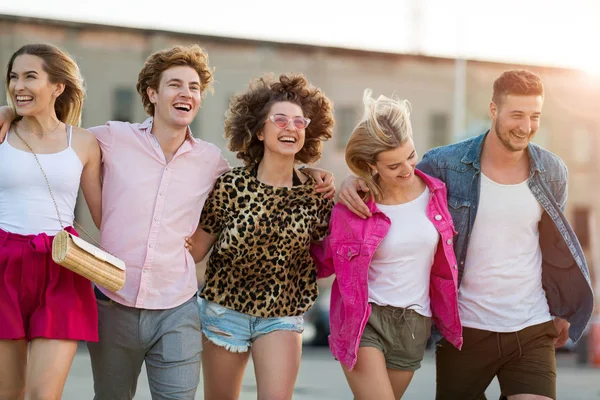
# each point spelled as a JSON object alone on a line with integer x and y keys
{"x": 545, "y": 32}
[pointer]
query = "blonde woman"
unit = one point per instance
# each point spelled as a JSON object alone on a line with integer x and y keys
{"x": 43, "y": 305}
{"x": 394, "y": 271}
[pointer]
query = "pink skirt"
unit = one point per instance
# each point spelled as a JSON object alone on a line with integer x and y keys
{"x": 39, "y": 298}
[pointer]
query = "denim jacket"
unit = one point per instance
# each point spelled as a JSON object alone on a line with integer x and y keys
{"x": 565, "y": 274}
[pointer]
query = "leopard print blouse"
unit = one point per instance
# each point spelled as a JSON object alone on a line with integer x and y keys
{"x": 260, "y": 264}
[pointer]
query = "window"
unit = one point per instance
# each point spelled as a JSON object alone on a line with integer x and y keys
{"x": 439, "y": 129}
{"x": 581, "y": 225}
{"x": 123, "y": 105}
{"x": 346, "y": 118}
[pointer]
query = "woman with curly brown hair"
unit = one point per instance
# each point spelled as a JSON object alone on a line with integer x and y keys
{"x": 262, "y": 218}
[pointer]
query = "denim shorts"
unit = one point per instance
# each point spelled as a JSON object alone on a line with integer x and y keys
{"x": 236, "y": 331}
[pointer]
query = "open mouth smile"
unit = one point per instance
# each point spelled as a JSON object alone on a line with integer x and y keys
{"x": 182, "y": 107}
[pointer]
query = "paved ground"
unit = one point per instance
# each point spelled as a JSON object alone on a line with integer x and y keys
{"x": 321, "y": 378}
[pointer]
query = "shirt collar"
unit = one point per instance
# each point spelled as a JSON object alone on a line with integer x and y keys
{"x": 473, "y": 154}
{"x": 147, "y": 126}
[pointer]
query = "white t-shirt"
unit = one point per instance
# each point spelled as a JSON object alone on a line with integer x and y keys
{"x": 401, "y": 266}
{"x": 501, "y": 289}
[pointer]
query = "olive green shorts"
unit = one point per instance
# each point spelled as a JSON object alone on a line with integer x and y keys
{"x": 400, "y": 334}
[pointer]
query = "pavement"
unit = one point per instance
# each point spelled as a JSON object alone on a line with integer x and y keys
{"x": 321, "y": 378}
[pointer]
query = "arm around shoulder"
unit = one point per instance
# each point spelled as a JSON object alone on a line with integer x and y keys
{"x": 352, "y": 199}
{"x": 86, "y": 145}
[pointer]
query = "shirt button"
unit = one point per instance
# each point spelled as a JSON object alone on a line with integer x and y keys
{"x": 349, "y": 254}
{"x": 449, "y": 241}
{"x": 161, "y": 193}
{"x": 156, "y": 218}
{"x": 151, "y": 245}
{"x": 438, "y": 217}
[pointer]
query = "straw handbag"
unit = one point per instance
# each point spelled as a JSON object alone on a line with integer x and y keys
{"x": 81, "y": 257}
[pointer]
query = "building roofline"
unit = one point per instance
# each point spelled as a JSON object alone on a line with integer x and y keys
{"x": 280, "y": 44}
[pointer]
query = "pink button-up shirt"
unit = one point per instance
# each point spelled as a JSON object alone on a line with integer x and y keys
{"x": 149, "y": 206}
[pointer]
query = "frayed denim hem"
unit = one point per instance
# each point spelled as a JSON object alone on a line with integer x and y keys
{"x": 228, "y": 346}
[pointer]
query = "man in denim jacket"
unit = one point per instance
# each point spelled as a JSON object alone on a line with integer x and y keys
{"x": 524, "y": 282}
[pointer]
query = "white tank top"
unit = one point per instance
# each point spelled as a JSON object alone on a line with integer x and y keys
{"x": 26, "y": 207}
{"x": 501, "y": 289}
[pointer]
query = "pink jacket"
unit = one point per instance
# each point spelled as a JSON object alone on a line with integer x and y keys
{"x": 347, "y": 253}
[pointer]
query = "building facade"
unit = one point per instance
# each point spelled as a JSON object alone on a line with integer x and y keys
{"x": 111, "y": 57}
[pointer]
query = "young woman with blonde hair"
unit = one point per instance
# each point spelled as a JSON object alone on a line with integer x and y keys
{"x": 396, "y": 271}
{"x": 43, "y": 305}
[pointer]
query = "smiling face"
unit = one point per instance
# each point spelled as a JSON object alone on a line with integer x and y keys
{"x": 29, "y": 86}
{"x": 283, "y": 141}
{"x": 516, "y": 120}
{"x": 178, "y": 98}
{"x": 396, "y": 167}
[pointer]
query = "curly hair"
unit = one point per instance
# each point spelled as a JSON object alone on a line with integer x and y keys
{"x": 192, "y": 56}
{"x": 248, "y": 112}
{"x": 61, "y": 68}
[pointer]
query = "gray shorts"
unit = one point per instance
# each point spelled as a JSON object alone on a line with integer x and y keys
{"x": 168, "y": 341}
{"x": 400, "y": 334}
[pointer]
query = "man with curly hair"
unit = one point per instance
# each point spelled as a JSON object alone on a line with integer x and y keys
{"x": 262, "y": 218}
{"x": 156, "y": 178}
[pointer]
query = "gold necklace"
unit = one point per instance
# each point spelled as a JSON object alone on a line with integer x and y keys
{"x": 30, "y": 131}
